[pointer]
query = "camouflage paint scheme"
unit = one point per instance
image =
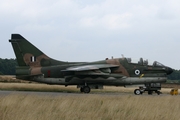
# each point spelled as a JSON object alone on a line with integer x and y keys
{"x": 34, "y": 65}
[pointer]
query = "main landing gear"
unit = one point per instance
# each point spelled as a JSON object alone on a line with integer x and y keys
{"x": 85, "y": 89}
{"x": 151, "y": 87}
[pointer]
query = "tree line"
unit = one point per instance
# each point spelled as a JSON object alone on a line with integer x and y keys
{"x": 175, "y": 75}
{"x": 7, "y": 67}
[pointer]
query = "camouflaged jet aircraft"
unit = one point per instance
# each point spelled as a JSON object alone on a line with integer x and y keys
{"x": 34, "y": 65}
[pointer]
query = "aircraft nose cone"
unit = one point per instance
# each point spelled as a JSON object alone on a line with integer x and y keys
{"x": 169, "y": 70}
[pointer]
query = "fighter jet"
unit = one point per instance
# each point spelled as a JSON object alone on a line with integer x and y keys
{"x": 34, "y": 65}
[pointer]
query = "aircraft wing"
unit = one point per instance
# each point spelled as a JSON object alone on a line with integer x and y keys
{"x": 90, "y": 67}
{"x": 91, "y": 71}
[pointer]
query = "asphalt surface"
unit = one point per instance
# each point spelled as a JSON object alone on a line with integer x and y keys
{"x": 56, "y": 93}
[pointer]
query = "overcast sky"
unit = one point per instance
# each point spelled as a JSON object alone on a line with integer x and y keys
{"x": 92, "y": 30}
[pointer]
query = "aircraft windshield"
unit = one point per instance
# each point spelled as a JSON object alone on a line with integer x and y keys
{"x": 157, "y": 64}
{"x": 144, "y": 62}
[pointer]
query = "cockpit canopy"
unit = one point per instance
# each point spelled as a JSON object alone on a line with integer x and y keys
{"x": 144, "y": 62}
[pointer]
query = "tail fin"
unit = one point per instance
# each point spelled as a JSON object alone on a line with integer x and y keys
{"x": 28, "y": 55}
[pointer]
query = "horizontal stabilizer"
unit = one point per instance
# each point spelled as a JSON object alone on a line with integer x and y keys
{"x": 28, "y": 76}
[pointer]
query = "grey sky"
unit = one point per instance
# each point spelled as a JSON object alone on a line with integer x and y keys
{"x": 91, "y": 30}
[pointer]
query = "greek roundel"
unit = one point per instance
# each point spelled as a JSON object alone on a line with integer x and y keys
{"x": 137, "y": 72}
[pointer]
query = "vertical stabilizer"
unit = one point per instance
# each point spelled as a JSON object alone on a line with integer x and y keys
{"x": 29, "y": 55}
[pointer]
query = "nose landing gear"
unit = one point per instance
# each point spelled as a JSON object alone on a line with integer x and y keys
{"x": 138, "y": 92}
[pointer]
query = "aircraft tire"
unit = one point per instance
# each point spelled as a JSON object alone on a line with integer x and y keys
{"x": 81, "y": 89}
{"x": 86, "y": 89}
{"x": 150, "y": 92}
{"x": 137, "y": 92}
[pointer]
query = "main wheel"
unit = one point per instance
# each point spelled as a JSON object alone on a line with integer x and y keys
{"x": 150, "y": 92}
{"x": 137, "y": 92}
{"x": 81, "y": 89}
{"x": 86, "y": 89}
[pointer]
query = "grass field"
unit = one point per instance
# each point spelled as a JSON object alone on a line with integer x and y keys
{"x": 86, "y": 106}
{"x": 89, "y": 107}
